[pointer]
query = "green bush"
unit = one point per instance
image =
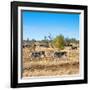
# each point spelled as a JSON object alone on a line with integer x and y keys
{"x": 58, "y": 42}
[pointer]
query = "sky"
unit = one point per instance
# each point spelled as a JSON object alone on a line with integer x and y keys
{"x": 36, "y": 25}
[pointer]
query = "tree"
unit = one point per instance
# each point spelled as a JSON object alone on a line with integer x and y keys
{"x": 33, "y": 40}
{"x": 27, "y": 39}
{"x": 67, "y": 41}
{"x": 50, "y": 37}
{"x": 45, "y": 37}
{"x": 58, "y": 42}
{"x": 73, "y": 40}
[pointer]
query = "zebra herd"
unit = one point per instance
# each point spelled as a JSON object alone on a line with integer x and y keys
{"x": 38, "y": 55}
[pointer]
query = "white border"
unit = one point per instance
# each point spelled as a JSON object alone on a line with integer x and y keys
{"x": 54, "y": 78}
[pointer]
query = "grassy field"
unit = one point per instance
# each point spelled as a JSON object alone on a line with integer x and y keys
{"x": 51, "y": 67}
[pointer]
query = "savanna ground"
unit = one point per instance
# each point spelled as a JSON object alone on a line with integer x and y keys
{"x": 51, "y": 67}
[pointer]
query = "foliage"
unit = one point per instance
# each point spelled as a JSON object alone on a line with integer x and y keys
{"x": 68, "y": 41}
{"x": 58, "y": 42}
{"x": 27, "y": 39}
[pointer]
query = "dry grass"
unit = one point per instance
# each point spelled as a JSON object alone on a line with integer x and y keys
{"x": 51, "y": 67}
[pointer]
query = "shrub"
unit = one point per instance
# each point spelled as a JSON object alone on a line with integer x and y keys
{"x": 58, "y": 42}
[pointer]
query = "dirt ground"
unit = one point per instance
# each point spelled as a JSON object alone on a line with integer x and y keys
{"x": 51, "y": 67}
